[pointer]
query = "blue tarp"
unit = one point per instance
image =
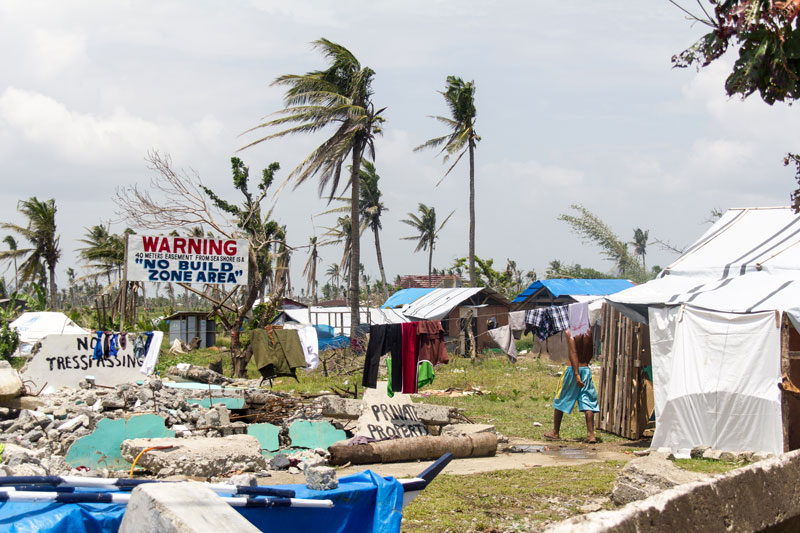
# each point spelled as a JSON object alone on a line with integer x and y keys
{"x": 364, "y": 502}
{"x": 569, "y": 287}
{"x": 333, "y": 343}
{"x": 404, "y": 297}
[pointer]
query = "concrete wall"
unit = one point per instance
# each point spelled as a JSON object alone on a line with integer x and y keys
{"x": 753, "y": 498}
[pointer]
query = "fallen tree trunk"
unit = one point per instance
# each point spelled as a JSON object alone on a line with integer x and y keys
{"x": 413, "y": 449}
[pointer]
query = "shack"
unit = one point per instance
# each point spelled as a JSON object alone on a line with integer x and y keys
{"x": 186, "y": 325}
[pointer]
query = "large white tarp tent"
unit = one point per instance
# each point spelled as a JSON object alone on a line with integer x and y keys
{"x": 33, "y": 326}
{"x": 714, "y": 317}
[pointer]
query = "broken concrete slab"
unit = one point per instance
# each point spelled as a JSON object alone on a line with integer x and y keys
{"x": 385, "y": 417}
{"x": 321, "y": 478}
{"x": 10, "y": 383}
{"x": 314, "y": 434}
{"x": 198, "y": 374}
{"x": 22, "y": 402}
{"x": 644, "y": 476}
{"x": 267, "y": 435}
{"x": 198, "y": 456}
{"x": 180, "y": 508}
{"x": 230, "y": 403}
{"x": 454, "y": 430}
{"x": 431, "y": 415}
{"x": 101, "y": 448}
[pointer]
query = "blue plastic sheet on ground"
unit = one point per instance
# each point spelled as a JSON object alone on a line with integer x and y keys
{"x": 51, "y": 517}
{"x": 364, "y": 502}
{"x": 338, "y": 342}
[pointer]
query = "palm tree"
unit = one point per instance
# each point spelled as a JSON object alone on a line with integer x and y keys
{"x": 460, "y": 98}
{"x": 333, "y": 276}
{"x": 339, "y": 96}
{"x": 41, "y": 233}
{"x": 425, "y": 224}
{"x": 12, "y": 246}
{"x": 371, "y": 209}
{"x": 104, "y": 251}
{"x": 639, "y": 243}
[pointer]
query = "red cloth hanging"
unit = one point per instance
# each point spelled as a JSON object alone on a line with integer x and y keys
{"x": 410, "y": 357}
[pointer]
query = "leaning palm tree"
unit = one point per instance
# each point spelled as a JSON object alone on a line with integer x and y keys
{"x": 639, "y": 243}
{"x": 12, "y": 247}
{"x": 425, "y": 224}
{"x": 371, "y": 209}
{"x": 41, "y": 233}
{"x": 333, "y": 277}
{"x": 460, "y": 98}
{"x": 104, "y": 252}
{"x": 339, "y": 96}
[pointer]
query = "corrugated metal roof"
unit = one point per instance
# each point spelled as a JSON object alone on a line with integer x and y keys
{"x": 404, "y": 297}
{"x": 569, "y": 287}
{"x": 438, "y": 303}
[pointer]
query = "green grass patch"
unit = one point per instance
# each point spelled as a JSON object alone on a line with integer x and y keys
{"x": 708, "y": 466}
{"x": 510, "y": 499}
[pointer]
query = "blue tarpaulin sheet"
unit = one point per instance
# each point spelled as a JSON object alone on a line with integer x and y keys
{"x": 404, "y": 297}
{"x": 364, "y": 502}
{"x": 569, "y": 287}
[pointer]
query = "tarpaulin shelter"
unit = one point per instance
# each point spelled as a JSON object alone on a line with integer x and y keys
{"x": 33, "y": 326}
{"x": 549, "y": 292}
{"x": 720, "y": 335}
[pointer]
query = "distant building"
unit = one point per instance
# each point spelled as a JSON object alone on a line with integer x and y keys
{"x": 437, "y": 281}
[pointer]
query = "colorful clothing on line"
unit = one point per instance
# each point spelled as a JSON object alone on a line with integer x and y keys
{"x": 568, "y": 393}
{"x": 410, "y": 356}
{"x": 383, "y": 338}
{"x": 98, "y": 346}
{"x": 547, "y": 321}
{"x": 431, "y": 342}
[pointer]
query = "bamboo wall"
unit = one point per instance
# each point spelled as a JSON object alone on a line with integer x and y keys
{"x": 623, "y": 398}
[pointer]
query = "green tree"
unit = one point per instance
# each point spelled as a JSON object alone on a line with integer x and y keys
{"x": 104, "y": 252}
{"x": 428, "y": 232}
{"x": 339, "y": 96}
{"x": 333, "y": 275}
{"x": 460, "y": 98}
{"x": 592, "y": 229}
{"x": 12, "y": 247}
{"x": 40, "y": 231}
{"x": 639, "y": 243}
{"x": 371, "y": 209}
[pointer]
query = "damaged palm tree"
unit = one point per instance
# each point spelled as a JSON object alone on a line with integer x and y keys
{"x": 185, "y": 202}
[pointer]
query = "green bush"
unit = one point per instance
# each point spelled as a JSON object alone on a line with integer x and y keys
{"x": 9, "y": 340}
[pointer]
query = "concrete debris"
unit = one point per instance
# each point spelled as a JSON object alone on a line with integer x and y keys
{"x": 432, "y": 415}
{"x": 199, "y": 374}
{"x": 456, "y": 430}
{"x": 320, "y": 478}
{"x": 198, "y": 456}
{"x": 645, "y": 476}
{"x": 180, "y": 508}
{"x": 10, "y": 383}
{"x": 280, "y": 462}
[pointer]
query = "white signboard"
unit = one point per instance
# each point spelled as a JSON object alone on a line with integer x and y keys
{"x": 383, "y": 417}
{"x": 158, "y": 258}
{"x": 64, "y": 360}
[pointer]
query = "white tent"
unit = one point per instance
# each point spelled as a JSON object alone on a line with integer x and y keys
{"x": 714, "y": 317}
{"x": 34, "y": 326}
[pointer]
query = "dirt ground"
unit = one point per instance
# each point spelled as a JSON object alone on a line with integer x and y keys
{"x": 560, "y": 453}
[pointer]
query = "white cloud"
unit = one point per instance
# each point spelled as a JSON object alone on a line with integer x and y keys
{"x": 532, "y": 174}
{"x": 52, "y": 52}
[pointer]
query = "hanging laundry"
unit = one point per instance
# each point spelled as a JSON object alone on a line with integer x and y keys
{"x": 547, "y": 321}
{"x": 139, "y": 347}
{"x": 148, "y": 338}
{"x": 578, "y": 318}
{"x": 505, "y": 340}
{"x": 431, "y": 342}
{"x": 106, "y": 343}
{"x": 425, "y": 374}
{"x": 516, "y": 321}
{"x": 153, "y": 349}
{"x": 410, "y": 356}
{"x": 383, "y": 338}
{"x": 98, "y": 346}
{"x": 308, "y": 342}
{"x": 277, "y": 352}
{"x": 123, "y": 340}
{"x": 113, "y": 345}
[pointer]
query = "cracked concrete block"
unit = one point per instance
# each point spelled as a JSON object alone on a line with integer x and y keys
{"x": 321, "y": 478}
{"x": 180, "y": 508}
{"x": 649, "y": 475}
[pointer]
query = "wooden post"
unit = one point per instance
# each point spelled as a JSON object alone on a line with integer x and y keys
{"x": 785, "y": 369}
{"x": 124, "y": 287}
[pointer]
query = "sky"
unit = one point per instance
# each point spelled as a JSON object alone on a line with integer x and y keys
{"x": 577, "y": 103}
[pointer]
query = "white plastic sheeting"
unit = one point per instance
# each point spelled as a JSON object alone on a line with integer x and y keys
{"x": 339, "y": 317}
{"x": 714, "y": 318}
{"x": 438, "y": 303}
{"x": 34, "y": 326}
{"x": 716, "y": 376}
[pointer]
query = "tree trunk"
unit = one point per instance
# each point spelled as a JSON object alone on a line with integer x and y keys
{"x": 430, "y": 264}
{"x": 355, "y": 248}
{"x": 53, "y": 289}
{"x": 472, "y": 282}
{"x": 380, "y": 264}
{"x": 314, "y": 279}
{"x": 239, "y": 357}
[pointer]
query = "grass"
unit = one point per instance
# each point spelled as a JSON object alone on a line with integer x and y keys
{"x": 510, "y": 499}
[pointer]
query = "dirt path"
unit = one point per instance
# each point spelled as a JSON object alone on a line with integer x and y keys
{"x": 559, "y": 454}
